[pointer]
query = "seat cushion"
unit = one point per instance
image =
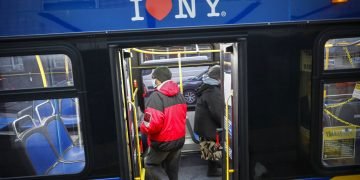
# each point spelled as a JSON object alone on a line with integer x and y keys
{"x": 75, "y": 153}
{"x": 67, "y": 168}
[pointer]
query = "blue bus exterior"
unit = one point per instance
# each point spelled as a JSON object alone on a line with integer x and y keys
{"x": 25, "y": 18}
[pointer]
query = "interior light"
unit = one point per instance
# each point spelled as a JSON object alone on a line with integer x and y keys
{"x": 339, "y": 1}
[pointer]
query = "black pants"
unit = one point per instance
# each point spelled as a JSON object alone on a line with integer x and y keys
{"x": 162, "y": 165}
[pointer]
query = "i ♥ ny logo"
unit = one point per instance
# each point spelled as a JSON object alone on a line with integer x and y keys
{"x": 160, "y": 9}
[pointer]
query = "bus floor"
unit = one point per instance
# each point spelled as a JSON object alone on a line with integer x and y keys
{"x": 192, "y": 167}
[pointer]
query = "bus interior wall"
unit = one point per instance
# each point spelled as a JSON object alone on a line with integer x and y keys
{"x": 100, "y": 111}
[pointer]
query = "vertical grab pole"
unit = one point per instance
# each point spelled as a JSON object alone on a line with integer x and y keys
{"x": 326, "y": 58}
{"x": 180, "y": 74}
{"x": 228, "y": 171}
{"x": 141, "y": 171}
{"x": 348, "y": 55}
{"x": 41, "y": 69}
{"x": 66, "y": 60}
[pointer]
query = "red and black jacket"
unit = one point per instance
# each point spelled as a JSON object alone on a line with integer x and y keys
{"x": 165, "y": 118}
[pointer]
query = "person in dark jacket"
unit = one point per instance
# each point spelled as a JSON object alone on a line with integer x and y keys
{"x": 164, "y": 124}
{"x": 209, "y": 113}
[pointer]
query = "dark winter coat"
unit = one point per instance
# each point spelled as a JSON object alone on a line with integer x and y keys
{"x": 165, "y": 118}
{"x": 209, "y": 111}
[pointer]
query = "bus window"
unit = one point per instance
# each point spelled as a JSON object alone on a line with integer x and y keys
{"x": 145, "y": 57}
{"x": 342, "y": 53}
{"x": 35, "y": 71}
{"x": 41, "y": 137}
{"x": 341, "y": 117}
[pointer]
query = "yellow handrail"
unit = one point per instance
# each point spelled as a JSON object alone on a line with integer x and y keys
{"x": 134, "y": 94}
{"x": 175, "y": 52}
{"x": 42, "y": 72}
{"x": 228, "y": 171}
{"x": 339, "y": 119}
{"x": 180, "y": 74}
{"x": 339, "y": 104}
{"x": 131, "y": 77}
{"x": 348, "y": 56}
{"x": 326, "y": 58}
{"x": 67, "y": 70}
{"x": 137, "y": 136}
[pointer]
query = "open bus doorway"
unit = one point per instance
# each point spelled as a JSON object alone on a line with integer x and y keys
{"x": 188, "y": 64}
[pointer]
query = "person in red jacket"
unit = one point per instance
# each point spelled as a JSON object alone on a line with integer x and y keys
{"x": 164, "y": 124}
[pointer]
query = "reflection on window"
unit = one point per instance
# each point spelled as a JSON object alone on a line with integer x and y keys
{"x": 35, "y": 71}
{"x": 191, "y": 77}
{"x": 341, "y": 124}
{"x": 342, "y": 53}
{"x": 40, "y": 137}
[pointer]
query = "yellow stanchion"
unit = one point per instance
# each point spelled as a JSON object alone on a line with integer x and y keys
{"x": 326, "y": 58}
{"x": 180, "y": 74}
{"x": 141, "y": 170}
{"x": 131, "y": 77}
{"x": 228, "y": 171}
{"x": 348, "y": 56}
{"x": 42, "y": 72}
{"x": 66, "y": 59}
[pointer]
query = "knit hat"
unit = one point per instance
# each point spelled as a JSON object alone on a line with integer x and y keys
{"x": 214, "y": 72}
{"x": 161, "y": 73}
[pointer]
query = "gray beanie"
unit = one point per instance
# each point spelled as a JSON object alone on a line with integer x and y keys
{"x": 214, "y": 72}
{"x": 162, "y": 73}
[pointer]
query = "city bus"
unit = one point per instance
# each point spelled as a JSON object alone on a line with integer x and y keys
{"x": 75, "y": 77}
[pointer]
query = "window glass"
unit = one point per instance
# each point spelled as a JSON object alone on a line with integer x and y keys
{"x": 341, "y": 123}
{"x": 191, "y": 80}
{"x": 40, "y": 137}
{"x": 342, "y": 53}
{"x": 35, "y": 71}
{"x": 171, "y": 53}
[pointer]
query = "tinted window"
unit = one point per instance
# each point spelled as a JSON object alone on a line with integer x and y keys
{"x": 341, "y": 122}
{"x": 342, "y": 53}
{"x": 35, "y": 71}
{"x": 41, "y": 137}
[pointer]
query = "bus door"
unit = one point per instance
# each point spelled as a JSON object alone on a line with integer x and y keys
{"x": 130, "y": 114}
{"x": 234, "y": 89}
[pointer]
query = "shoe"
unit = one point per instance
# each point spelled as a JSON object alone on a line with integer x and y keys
{"x": 213, "y": 171}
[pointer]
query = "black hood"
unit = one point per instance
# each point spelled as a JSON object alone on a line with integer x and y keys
{"x": 204, "y": 87}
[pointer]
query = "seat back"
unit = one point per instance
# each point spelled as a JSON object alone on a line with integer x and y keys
{"x": 58, "y": 134}
{"x": 39, "y": 150}
{"x": 67, "y": 107}
{"x": 44, "y": 109}
{"x": 22, "y": 124}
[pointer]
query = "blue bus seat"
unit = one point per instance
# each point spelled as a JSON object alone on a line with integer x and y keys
{"x": 44, "y": 109}
{"x": 67, "y": 109}
{"x": 60, "y": 138}
{"x": 43, "y": 157}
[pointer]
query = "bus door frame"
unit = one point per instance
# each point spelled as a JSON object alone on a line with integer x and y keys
{"x": 240, "y": 145}
{"x": 242, "y": 102}
{"x": 240, "y": 97}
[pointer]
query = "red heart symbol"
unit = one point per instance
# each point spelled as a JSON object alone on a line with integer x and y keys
{"x": 159, "y": 9}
